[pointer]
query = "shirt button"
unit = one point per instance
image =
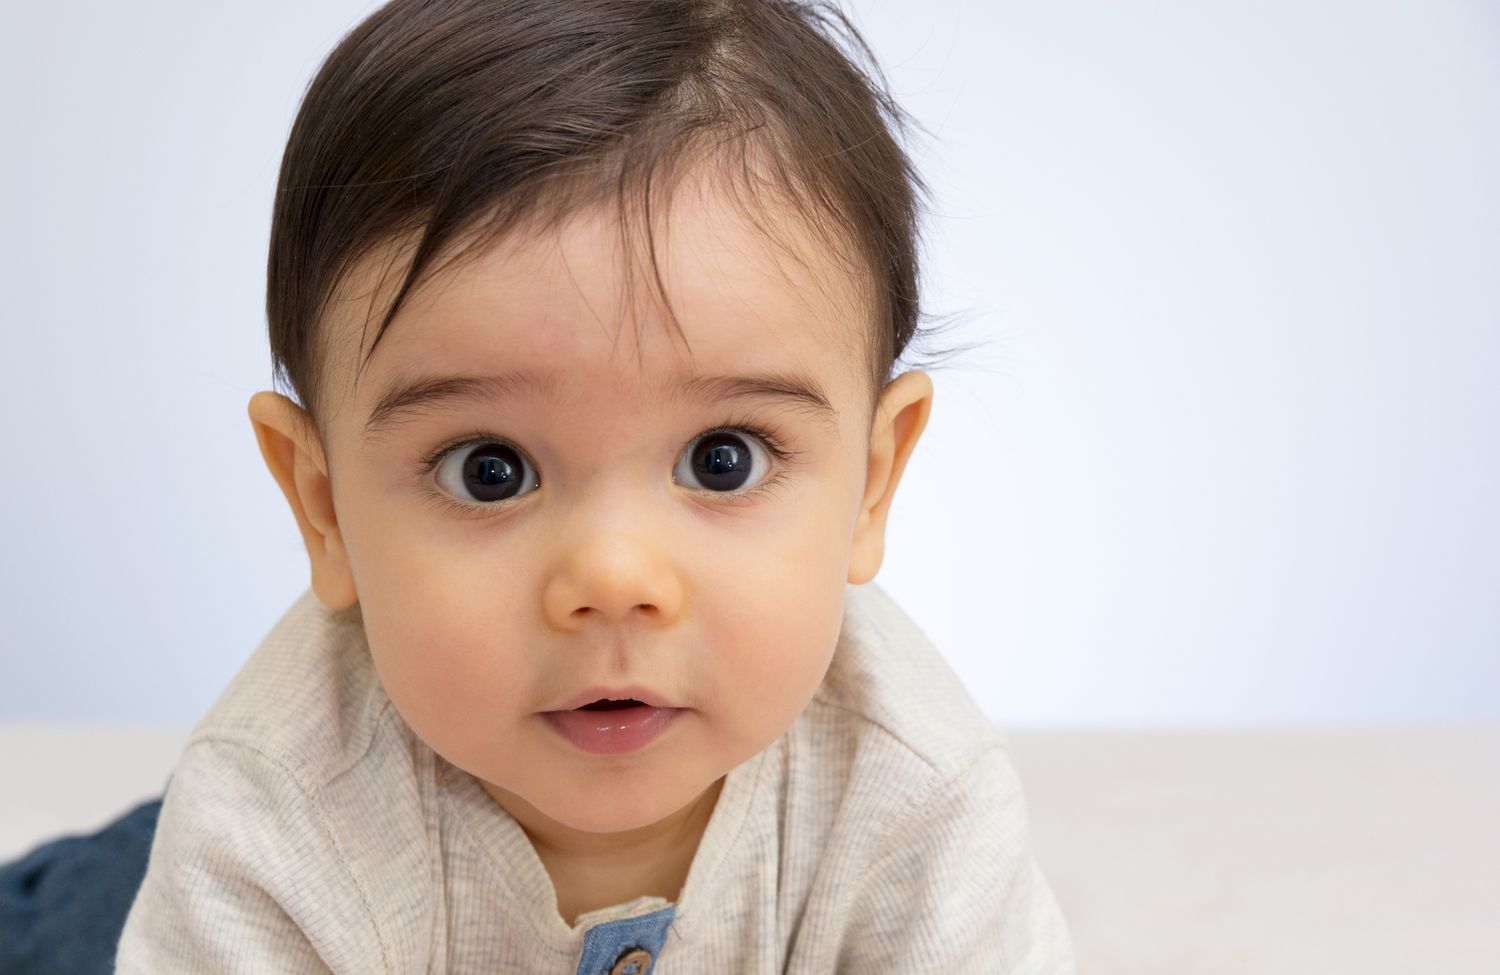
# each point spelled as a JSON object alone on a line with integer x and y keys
{"x": 636, "y": 961}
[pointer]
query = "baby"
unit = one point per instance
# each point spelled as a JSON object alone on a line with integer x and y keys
{"x": 590, "y": 310}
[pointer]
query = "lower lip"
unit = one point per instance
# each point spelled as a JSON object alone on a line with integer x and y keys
{"x": 613, "y": 732}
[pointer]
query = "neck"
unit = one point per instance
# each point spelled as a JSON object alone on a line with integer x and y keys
{"x": 558, "y": 840}
{"x": 593, "y": 870}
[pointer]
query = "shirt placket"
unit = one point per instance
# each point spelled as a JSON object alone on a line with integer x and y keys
{"x": 629, "y": 946}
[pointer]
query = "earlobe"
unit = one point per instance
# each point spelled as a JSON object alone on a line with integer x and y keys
{"x": 289, "y": 444}
{"x": 900, "y": 417}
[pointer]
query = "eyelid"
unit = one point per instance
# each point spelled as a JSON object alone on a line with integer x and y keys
{"x": 472, "y": 439}
{"x": 776, "y": 449}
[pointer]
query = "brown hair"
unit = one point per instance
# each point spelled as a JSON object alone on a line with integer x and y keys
{"x": 463, "y": 119}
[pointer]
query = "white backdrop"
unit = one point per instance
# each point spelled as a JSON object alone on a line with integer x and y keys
{"x": 1226, "y": 457}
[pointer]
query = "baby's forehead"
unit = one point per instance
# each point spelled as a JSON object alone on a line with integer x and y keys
{"x": 733, "y": 296}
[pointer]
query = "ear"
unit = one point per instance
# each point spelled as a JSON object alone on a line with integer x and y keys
{"x": 900, "y": 417}
{"x": 289, "y": 443}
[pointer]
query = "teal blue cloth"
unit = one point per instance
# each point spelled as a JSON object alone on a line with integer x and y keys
{"x": 63, "y": 905}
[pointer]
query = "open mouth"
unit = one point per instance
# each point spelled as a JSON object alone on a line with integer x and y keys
{"x": 610, "y": 726}
{"x": 607, "y": 705}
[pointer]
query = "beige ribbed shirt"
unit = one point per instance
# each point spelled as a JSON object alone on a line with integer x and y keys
{"x": 307, "y": 829}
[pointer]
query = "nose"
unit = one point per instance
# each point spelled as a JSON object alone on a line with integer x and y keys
{"x": 612, "y": 576}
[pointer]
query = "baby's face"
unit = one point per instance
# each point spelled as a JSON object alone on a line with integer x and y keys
{"x": 583, "y": 527}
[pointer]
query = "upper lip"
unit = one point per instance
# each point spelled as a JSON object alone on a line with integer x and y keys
{"x": 633, "y": 692}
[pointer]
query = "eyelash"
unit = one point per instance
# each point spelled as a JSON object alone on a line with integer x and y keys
{"x": 768, "y": 439}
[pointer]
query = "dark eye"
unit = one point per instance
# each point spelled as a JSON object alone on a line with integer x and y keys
{"x": 722, "y": 461}
{"x": 486, "y": 472}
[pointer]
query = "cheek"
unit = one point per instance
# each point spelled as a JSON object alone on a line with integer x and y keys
{"x": 442, "y": 645}
{"x": 777, "y": 670}
{"x": 772, "y": 621}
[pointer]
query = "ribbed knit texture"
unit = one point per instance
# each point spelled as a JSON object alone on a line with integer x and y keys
{"x": 307, "y": 829}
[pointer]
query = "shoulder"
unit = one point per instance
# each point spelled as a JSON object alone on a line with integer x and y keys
{"x": 921, "y": 805}
{"x": 890, "y": 687}
{"x": 246, "y": 862}
{"x": 305, "y": 742}
{"x": 952, "y": 885}
{"x": 307, "y": 700}
{"x": 892, "y": 737}
{"x": 296, "y": 803}
{"x": 304, "y": 747}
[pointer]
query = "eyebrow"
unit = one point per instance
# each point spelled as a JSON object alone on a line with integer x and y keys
{"x": 412, "y": 398}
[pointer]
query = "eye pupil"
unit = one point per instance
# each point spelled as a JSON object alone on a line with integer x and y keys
{"x": 492, "y": 472}
{"x": 722, "y": 462}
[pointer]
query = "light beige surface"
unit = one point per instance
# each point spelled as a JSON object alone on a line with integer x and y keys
{"x": 1218, "y": 853}
{"x": 57, "y": 779}
{"x": 1210, "y": 853}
